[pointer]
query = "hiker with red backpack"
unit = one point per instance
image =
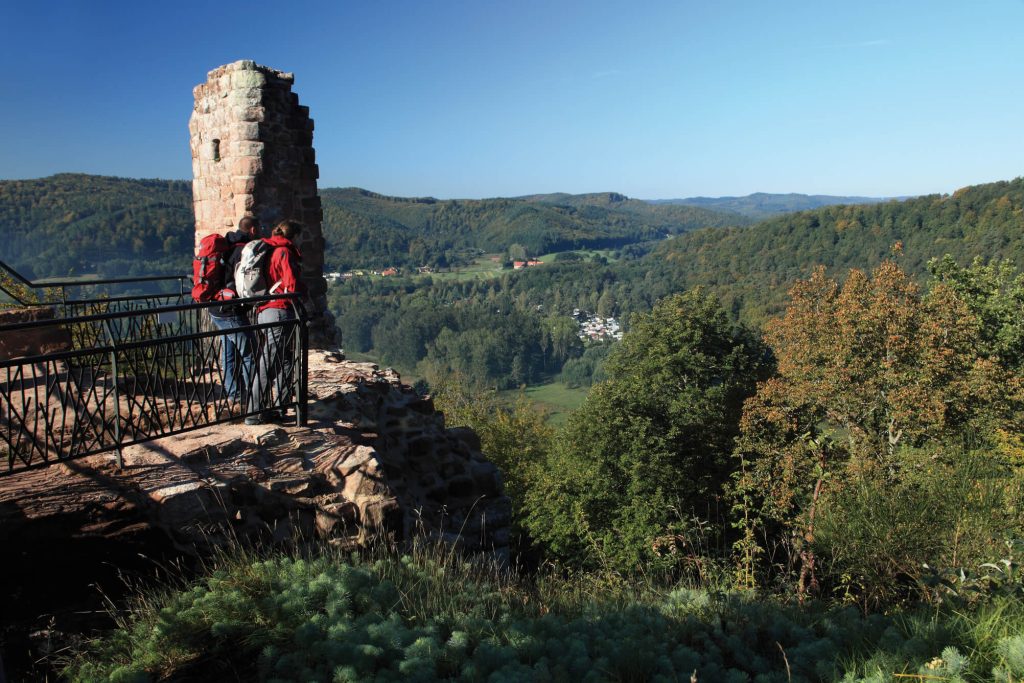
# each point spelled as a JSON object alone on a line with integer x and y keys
{"x": 271, "y": 266}
{"x": 213, "y": 279}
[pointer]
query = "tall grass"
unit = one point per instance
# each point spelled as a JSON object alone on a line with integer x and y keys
{"x": 431, "y": 614}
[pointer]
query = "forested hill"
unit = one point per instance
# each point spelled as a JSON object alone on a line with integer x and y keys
{"x": 71, "y": 224}
{"x": 980, "y": 220}
{"x": 750, "y": 269}
{"x": 666, "y": 214}
{"x": 761, "y": 205}
{"x": 364, "y": 228}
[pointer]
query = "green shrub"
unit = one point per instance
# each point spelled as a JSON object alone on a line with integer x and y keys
{"x": 878, "y": 535}
{"x": 433, "y": 616}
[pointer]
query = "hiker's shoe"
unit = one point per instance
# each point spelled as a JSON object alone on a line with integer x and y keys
{"x": 254, "y": 420}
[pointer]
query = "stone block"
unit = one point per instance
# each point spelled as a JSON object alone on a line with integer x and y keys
{"x": 247, "y": 166}
{"x": 245, "y": 130}
{"x": 183, "y": 502}
{"x": 466, "y": 436}
{"x": 246, "y": 148}
{"x": 250, "y": 113}
{"x": 243, "y": 204}
{"x": 239, "y": 98}
{"x": 365, "y": 481}
{"x": 243, "y": 184}
{"x": 384, "y": 516}
{"x": 297, "y": 487}
{"x": 337, "y": 520}
{"x": 247, "y": 79}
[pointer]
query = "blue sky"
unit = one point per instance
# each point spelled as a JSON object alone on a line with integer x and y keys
{"x": 484, "y": 98}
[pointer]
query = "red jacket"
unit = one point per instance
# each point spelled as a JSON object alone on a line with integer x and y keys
{"x": 283, "y": 271}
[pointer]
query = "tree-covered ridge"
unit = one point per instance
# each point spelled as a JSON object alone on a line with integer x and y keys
{"x": 72, "y": 223}
{"x": 368, "y": 229}
{"x": 748, "y": 269}
{"x": 761, "y": 205}
{"x": 757, "y": 264}
{"x": 751, "y": 268}
{"x": 666, "y": 214}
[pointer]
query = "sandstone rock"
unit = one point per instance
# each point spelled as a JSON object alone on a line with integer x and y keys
{"x": 214, "y": 486}
{"x": 31, "y": 342}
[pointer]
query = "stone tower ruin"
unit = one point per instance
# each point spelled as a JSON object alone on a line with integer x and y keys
{"x": 252, "y": 154}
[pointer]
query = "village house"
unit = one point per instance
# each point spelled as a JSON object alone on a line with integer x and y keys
{"x": 595, "y": 328}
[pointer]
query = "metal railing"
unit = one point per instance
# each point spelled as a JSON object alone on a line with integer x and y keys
{"x": 149, "y": 374}
{"x": 54, "y": 293}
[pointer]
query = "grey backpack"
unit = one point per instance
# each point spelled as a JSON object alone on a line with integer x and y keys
{"x": 251, "y": 271}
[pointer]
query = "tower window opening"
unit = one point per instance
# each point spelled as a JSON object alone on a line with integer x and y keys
{"x": 216, "y": 150}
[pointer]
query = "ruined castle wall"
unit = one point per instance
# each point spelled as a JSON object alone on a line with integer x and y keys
{"x": 252, "y": 154}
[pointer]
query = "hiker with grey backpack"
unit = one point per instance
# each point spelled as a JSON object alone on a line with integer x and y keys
{"x": 271, "y": 266}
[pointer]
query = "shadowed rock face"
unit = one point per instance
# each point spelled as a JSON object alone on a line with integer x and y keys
{"x": 375, "y": 462}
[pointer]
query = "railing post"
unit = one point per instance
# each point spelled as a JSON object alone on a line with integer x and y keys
{"x": 117, "y": 409}
{"x": 117, "y": 394}
{"x": 302, "y": 356}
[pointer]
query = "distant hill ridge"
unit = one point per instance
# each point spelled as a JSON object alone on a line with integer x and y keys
{"x": 751, "y": 268}
{"x": 74, "y": 223}
{"x": 763, "y": 204}
{"x": 370, "y": 229}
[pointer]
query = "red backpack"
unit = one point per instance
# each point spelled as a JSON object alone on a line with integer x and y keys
{"x": 208, "y": 267}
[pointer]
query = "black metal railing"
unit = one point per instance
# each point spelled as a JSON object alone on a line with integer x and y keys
{"x": 150, "y": 374}
{"x": 55, "y": 293}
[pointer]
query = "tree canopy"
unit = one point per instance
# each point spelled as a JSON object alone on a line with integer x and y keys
{"x": 649, "y": 449}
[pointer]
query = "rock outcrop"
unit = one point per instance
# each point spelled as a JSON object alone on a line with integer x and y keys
{"x": 374, "y": 463}
{"x": 32, "y": 341}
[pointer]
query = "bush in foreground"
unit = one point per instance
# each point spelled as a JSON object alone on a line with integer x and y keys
{"x": 437, "y": 618}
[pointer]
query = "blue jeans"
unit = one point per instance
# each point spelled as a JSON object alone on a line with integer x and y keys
{"x": 275, "y": 364}
{"x": 236, "y": 353}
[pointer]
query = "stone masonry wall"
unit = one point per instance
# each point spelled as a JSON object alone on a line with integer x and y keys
{"x": 252, "y": 154}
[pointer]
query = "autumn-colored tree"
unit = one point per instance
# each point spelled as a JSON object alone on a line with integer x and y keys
{"x": 865, "y": 370}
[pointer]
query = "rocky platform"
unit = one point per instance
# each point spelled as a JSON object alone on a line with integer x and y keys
{"x": 375, "y": 461}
